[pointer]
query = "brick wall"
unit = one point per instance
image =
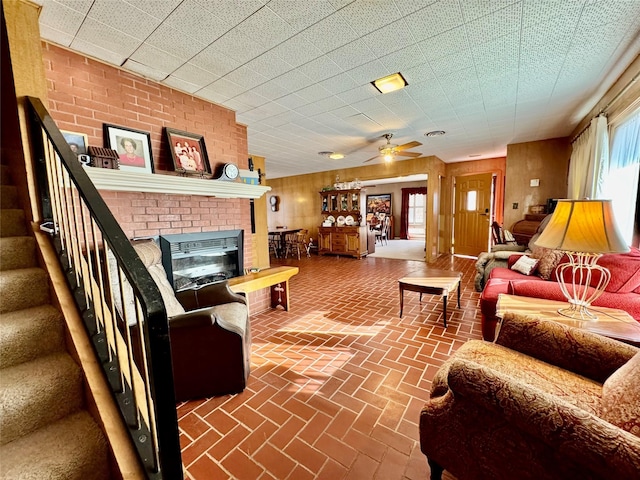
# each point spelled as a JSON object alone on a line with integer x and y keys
{"x": 85, "y": 94}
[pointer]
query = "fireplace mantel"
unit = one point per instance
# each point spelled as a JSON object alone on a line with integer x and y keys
{"x": 122, "y": 181}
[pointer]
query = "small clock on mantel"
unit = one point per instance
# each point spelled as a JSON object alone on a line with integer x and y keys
{"x": 228, "y": 172}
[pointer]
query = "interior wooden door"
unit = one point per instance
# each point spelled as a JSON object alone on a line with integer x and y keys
{"x": 472, "y": 214}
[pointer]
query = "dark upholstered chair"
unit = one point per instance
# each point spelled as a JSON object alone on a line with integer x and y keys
{"x": 209, "y": 330}
{"x": 546, "y": 401}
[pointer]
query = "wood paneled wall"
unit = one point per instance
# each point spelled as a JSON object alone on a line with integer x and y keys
{"x": 299, "y": 205}
{"x": 546, "y": 160}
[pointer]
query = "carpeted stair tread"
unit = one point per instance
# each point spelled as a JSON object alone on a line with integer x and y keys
{"x": 9, "y": 196}
{"x": 31, "y": 333}
{"x": 39, "y": 392}
{"x": 70, "y": 449}
{"x": 23, "y": 288}
{"x": 12, "y": 223}
{"x": 17, "y": 252}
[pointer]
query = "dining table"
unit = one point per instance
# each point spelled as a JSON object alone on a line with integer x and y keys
{"x": 280, "y": 232}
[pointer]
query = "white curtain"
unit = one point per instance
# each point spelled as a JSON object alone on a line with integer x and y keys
{"x": 588, "y": 160}
{"x": 621, "y": 177}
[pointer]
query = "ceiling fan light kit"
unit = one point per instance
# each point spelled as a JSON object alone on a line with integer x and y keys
{"x": 389, "y": 151}
{"x": 390, "y": 83}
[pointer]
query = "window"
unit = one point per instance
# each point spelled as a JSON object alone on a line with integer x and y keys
{"x": 472, "y": 200}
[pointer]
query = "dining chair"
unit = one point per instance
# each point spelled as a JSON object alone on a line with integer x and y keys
{"x": 295, "y": 242}
{"x": 274, "y": 244}
{"x": 383, "y": 233}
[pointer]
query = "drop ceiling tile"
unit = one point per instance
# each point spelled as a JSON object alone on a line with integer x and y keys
{"x": 238, "y": 46}
{"x": 151, "y": 56}
{"x": 292, "y": 101}
{"x": 62, "y": 21}
{"x": 182, "y": 85}
{"x": 168, "y": 39}
{"x": 389, "y": 39}
{"x": 127, "y": 18}
{"x": 81, "y": 6}
{"x": 313, "y": 93}
{"x": 331, "y": 103}
{"x": 252, "y": 99}
{"x": 188, "y": 19}
{"x": 473, "y": 10}
{"x": 237, "y": 106}
{"x": 498, "y": 23}
{"x": 293, "y": 80}
{"x": 154, "y": 8}
{"x": 418, "y": 75}
{"x": 445, "y": 43}
{"x": 215, "y": 61}
{"x": 365, "y": 17}
{"x": 61, "y": 38}
{"x": 96, "y": 51}
{"x": 320, "y": 68}
{"x": 330, "y": 33}
{"x": 96, "y": 33}
{"x": 271, "y": 90}
{"x": 191, "y": 73}
{"x": 358, "y": 94}
{"x": 270, "y": 109}
{"x": 266, "y": 28}
{"x": 297, "y": 51}
{"x": 617, "y": 14}
{"x": 352, "y": 54}
{"x": 434, "y": 19}
{"x": 231, "y": 13}
{"x": 270, "y": 65}
{"x": 452, "y": 63}
{"x": 301, "y": 15}
{"x": 339, "y": 83}
{"x": 224, "y": 88}
{"x": 213, "y": 94}
{"x": 144, "y": 70}
{"x": 403, "y": 60}
{"x": 311, "y": 109}
{"x": 543, "y": 11}
{"x": 246, "y": 77}
{"x": 367, "y": 73}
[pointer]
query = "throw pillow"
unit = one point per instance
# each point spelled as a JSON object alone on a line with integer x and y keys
{"x": 548, "y": 260}
{"x": 621, "y": 397}
{"x": 525, "y": 265}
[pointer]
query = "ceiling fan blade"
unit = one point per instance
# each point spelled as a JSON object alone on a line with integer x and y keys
{"x": 406, "y": 146}
{"x": 372, "y": 158}
{"x": 408, "y": 154}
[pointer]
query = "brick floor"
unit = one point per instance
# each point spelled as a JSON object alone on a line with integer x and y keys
{"x": 337, "y": 382}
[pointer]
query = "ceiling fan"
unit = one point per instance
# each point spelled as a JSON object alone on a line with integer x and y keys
{"x": 389, "y": 151}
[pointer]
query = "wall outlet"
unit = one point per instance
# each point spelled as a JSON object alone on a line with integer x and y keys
{"x": 514, "y": 206}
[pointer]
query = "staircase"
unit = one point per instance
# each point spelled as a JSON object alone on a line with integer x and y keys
{"x": 45, "y": 428}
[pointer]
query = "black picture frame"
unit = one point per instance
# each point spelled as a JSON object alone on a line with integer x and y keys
{"x": 193, "y": 158}
{"x": 379, "y": 203}
{"x": 133, "y": 147}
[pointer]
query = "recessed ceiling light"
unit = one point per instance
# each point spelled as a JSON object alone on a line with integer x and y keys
{"x": 434, "y": 133}
{"x": 390, "y": 83}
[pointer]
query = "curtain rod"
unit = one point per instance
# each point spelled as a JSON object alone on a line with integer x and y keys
{"x": 604, "y": 109}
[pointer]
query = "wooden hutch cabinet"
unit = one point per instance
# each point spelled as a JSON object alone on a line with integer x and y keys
{"x": 343, "y": 239}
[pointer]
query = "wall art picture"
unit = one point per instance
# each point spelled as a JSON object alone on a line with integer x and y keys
{"x": 188, "y": 152}
{"x": 77, "y": 141}
{"x": 379, "y": 203}
{"x": 133, "y": 147}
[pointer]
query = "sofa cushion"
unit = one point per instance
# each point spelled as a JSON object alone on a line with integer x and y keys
{"x": 504, "y": 273}
{"x": 625, "y": 271}
{"x": 621, "y": 397}
{"x": 548, "y": 260}
{"x": 525, "y": 265}
{"x": 629, "y": 302}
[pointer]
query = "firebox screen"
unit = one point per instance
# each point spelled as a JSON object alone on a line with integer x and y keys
{"x": 192, "y": 270}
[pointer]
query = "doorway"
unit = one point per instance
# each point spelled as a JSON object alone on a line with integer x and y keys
{"x": 472, "y": 213}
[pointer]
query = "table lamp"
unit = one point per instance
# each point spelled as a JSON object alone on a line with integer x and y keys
{"x": 584, "y": 229}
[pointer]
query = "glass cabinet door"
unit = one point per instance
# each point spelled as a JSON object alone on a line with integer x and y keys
{"x": 334, "y": 202}
{"x": 355, "y": 201}
{"x": 344, "y": 202}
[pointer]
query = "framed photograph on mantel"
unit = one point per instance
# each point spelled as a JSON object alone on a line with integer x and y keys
{"x": 133, "y": 147}
{"x": 379, "y": 203}
{"x": 188, "y": 152}
{"x": 77, "y": 141}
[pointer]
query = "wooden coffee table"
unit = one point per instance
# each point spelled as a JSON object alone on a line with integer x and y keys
{"x": 611, "y": 322}
{"x": 433, "y": 282}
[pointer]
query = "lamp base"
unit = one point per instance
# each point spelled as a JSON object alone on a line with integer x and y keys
{"x": 578, "y": 312}
{"x": 582, "y": 281}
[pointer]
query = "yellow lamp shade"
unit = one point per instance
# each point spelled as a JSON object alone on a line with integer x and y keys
{"x": 583, "y": 226}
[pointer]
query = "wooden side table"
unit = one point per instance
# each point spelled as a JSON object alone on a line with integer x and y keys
{"x": 434, "y": 282}
{"x": 611, "y": 322}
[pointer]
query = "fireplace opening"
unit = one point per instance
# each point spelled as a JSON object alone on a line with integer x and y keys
{"x": 195, "y": 259}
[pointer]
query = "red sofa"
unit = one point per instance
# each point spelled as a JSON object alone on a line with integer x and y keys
{"x": 623, "y": 290}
